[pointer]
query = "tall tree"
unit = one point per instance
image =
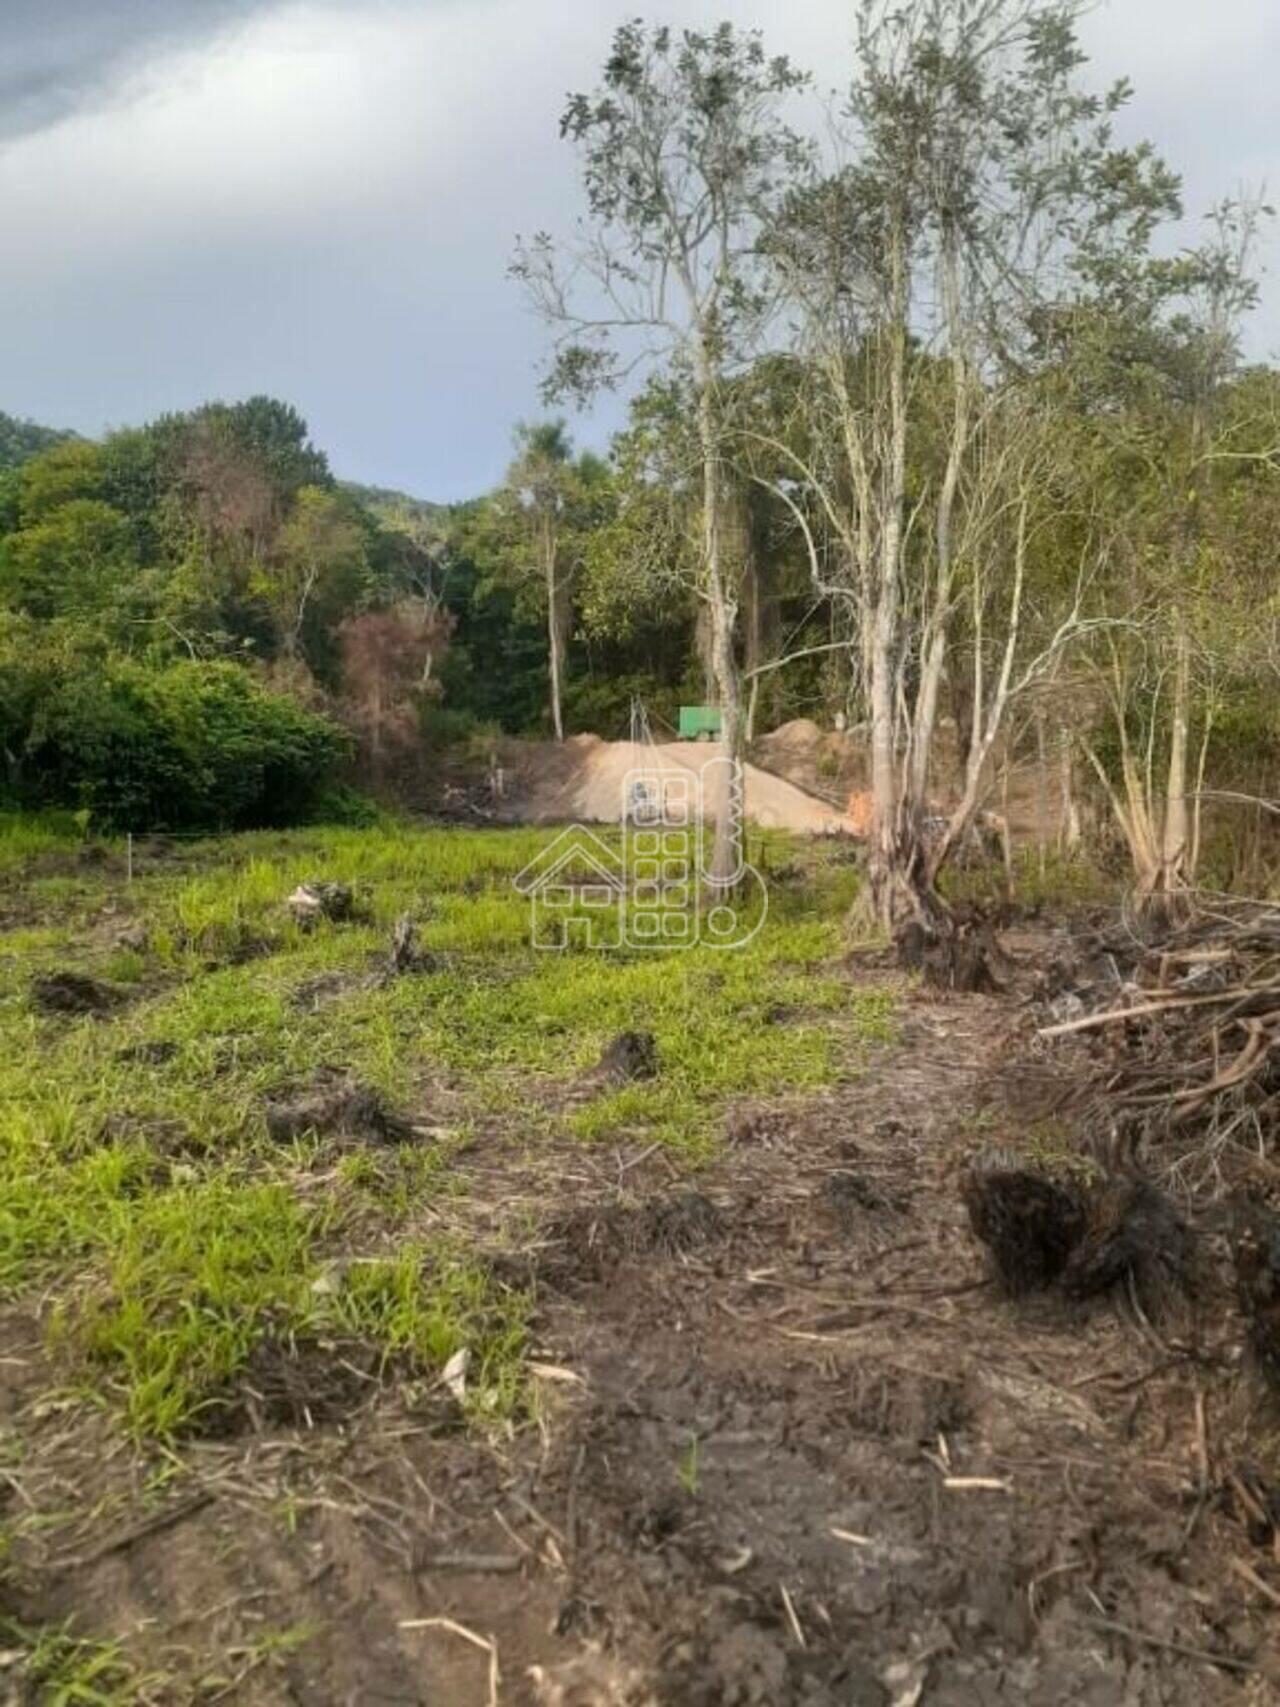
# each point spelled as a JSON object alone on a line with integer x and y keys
{"x": 685, "y": 154}
{"x": 317, "y": 567}
{"x": 1171, "y": 455}
{"x": 971, "y": 173}
{"x": 539, "y": 489}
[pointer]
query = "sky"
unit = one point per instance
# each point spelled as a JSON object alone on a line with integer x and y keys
{"x": 318, "y": 199}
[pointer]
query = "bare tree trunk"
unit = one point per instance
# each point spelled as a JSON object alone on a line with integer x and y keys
{"x": 1042, "y": 794}
{"x": 938, "y": 618}
{"x": 1175, "y": 837}
{"x": 895, "y": 856}
{"x": 753, "y": 626}
{"x": 1069, "y": 814}
{"x": 1197, "y": 810}
{"x": 726, "y": 852}
{"x": 703, "y": 647}
{"x": 988, "y": 714}
{"x": 555, "y": 625}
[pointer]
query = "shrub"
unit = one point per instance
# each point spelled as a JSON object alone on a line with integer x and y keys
{"x": 192, "y": 746}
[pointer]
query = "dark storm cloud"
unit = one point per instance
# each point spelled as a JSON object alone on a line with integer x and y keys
{"x": 61, "y": 53}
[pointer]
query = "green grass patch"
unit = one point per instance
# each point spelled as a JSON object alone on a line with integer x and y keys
{"x": 60, "y": 1669}
{"x": 140, "y": 1193}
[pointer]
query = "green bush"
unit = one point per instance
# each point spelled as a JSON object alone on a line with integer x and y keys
{"x": 193, "y": 746}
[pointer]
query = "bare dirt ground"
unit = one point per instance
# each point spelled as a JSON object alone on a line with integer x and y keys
{"x": 587, "y": 780}
{"x": 802, "y": 780}
{"x": 791, "y": 1448}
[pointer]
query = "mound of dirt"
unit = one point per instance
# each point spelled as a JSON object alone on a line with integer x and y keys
{"x": 830, "y": 762}
{"x": 587, "y": 780}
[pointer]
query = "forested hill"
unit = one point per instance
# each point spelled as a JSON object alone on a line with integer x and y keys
{"x": 20, "y": 440}
{"x": 198, "y": 624}
{"x": 399, "y": 509}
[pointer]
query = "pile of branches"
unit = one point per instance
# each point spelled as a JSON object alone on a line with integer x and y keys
{"x": 1183, "y": 1024}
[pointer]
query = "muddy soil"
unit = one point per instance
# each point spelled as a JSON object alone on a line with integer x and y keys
{"x": 804, "y": 1453}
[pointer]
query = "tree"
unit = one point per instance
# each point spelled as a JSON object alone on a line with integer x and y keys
{"x": 71, "y": 556}
{"x": 684, "y": 155}
{"x": 1173, "y": 454}
{"x": 641, "y": 565}
{"x": 72, "y": 468}
{"x": 21, "y": 440}
{"x": 317, "y": 568}
{"x": 77, "y": 563}
{"x": 539, "y": 495}
{"x": 971, "y": 176}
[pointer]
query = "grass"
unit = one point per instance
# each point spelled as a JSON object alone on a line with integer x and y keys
{"x": 140, "y": 1194}
{"x": 1054, "y": 879}
{"x": 60, "y": 1669}
{"x": 24, "y": 837}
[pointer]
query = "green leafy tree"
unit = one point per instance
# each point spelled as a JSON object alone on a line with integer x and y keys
{"x": 77, "y": 563}
{"x": 21, "y": 440}
{"x": 70, "y": 469}
{"x": 976, "y": 196}
{"x": 534, "y": 530}
{"x": 317, "y": 571}
{"x": 684, "y": 155}
{"x": 192, "y": 746}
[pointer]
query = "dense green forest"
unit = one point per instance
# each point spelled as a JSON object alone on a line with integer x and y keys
{"x": 200, "y": 626}
{"x": 933, "y": 427}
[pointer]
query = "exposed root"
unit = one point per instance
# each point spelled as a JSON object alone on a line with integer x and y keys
{"x": 1134, "y": 1234}
{"x": 1030, "y": 1224}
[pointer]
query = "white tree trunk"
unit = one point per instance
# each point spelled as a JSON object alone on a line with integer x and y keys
{"x": 726, "y": 852}
{"x": 555, "y": 626}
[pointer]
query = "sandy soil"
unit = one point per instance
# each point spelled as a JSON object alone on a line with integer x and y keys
{"x": 791, "y": 1450}
{"x": 590, "y": 781}
{"x": 802, "y": 779}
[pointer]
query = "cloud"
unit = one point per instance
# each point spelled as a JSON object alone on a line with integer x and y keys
{"x": 319, "y": 197}
{"x": 61, "y": 53}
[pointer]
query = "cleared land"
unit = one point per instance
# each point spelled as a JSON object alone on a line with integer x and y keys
{"x": 587, "y": 780}
{"x": 741, "y": 1418}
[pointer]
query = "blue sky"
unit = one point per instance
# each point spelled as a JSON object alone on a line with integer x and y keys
{"x": 318, "y": 198}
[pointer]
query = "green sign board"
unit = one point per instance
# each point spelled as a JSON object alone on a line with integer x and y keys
{"x": 698, "y": 722}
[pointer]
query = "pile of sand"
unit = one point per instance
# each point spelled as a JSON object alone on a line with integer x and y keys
{"x": 592, "y": 781}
